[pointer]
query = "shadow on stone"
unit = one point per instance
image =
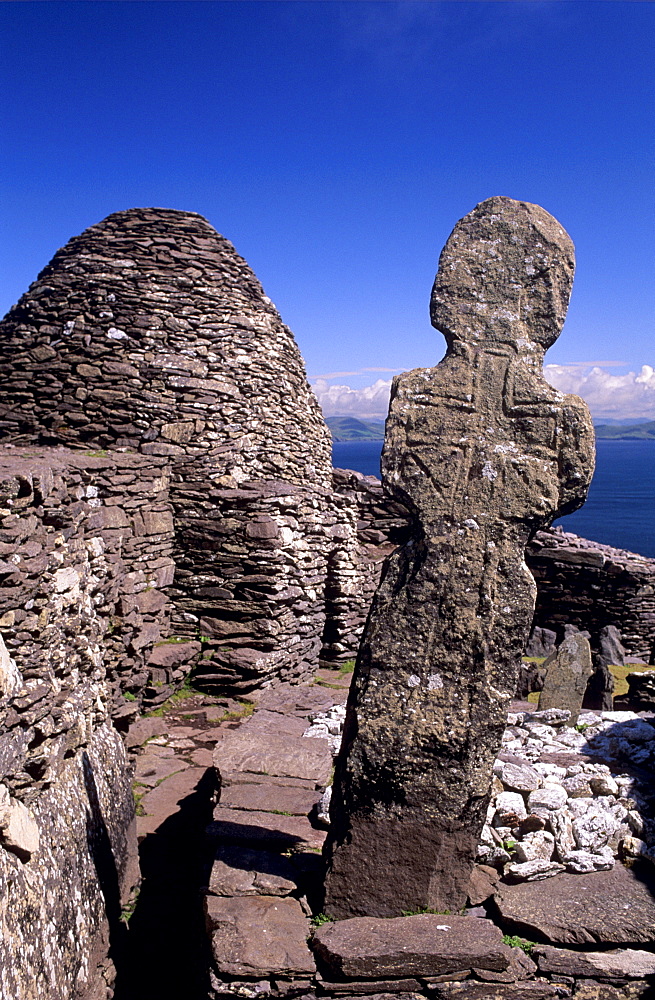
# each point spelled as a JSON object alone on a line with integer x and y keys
{"x": 166, "y": 946}
{"x": 102, "y": 854}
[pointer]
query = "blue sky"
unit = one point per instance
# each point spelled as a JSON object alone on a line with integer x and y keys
{"x": 336, "y": 144}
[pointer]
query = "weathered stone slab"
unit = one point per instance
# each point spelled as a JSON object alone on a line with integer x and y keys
{"x": 153, "y": 767}
{"x": 615, "y": 907}
{"x": 284, "y": 756}
{"x": 622, "y": 963}
{"x": 143, "y": 730}
{"x": 264, "y": 721}
{"x": 422, "y": 945}
{"x": 265, "y": 829}
{"x": 567, "y": 672}
{"x": 239, "y": 871}
{"x": 267, "y": 797}
{"x": 376, "y": 986}
{"x": 497, "y": 991}
{"x": 482, "y": 452}
{"x": 258, "y": 936}
{"x": 165, "y": 798}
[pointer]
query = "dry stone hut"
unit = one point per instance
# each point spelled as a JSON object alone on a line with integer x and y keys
{"x": 148, "y": 333}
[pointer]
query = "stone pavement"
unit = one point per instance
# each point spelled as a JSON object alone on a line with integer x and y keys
{"x": 244, "y": 837}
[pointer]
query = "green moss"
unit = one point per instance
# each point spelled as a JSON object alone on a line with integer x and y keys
{"x": 129, "y": 696}
{"x": 96, "y": 454}
{"x": 346, "y": 668}
{"x": 247, "y": 708}
{"x": 514, "y": 941}
{"x": 320, "y": 919}
{"x": 172, "y": 640}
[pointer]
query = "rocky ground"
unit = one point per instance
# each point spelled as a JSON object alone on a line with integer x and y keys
{"x": 565, "y": 863}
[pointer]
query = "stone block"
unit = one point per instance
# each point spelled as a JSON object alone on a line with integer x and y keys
{"x": 284, "y": 756}
{"x": 257, "y": 936}
{"x": 241, "y": 871}
{"x": 422, "y": 945}
{"x": 605, "y": 908}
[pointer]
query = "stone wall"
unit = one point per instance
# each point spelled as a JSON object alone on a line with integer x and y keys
{"x": 584, "y": 583}
{"x": 85, "y": 544}
{"x": 579, "y": 582}
{"x": 148, "y": 333}
{"x": 250, "y": 578}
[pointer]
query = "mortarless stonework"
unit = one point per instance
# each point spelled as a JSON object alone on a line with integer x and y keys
{"x": 148, "y": 332}
{"x": 483, "y": 452}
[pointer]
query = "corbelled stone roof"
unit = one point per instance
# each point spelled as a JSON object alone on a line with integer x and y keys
{"x": 149, "y": 332}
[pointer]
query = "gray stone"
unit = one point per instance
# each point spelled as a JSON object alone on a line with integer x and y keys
{"x": 439, "y": 660}
{"x": 604, "y": 908}
{"x": 568, "y": 670}
{"x": 258, "y": 936}
{"x": 421, "y": 945}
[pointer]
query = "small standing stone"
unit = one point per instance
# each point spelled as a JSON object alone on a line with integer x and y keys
{"x": 568, "y": 670}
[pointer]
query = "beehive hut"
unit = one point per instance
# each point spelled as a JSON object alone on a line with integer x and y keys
{"x": 148, "y": 333}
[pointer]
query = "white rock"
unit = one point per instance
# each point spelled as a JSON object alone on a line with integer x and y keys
{"x": 593, "y": 824}
{"x": 582, "y": 862}
{"x": 545, "y": 799}
{"x": 533, "y": 846}
{"x": 577, "y": 786}
{"x": 561, "y": 825}
{"x": 323, "y": 809}
{"x": 519, "y": 777}
{"x": 11, "y": 680}
{"x": 509, "y": 804}
{"x": 533, "y": 870}
{"x": 603, "y": 784}
{"x": 18, "y": 830}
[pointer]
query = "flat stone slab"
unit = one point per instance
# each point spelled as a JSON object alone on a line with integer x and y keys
{"x": 366, "y": 987}
{"x": 622, "y": 963}
{"x": 267, "y": 797}
{"x": 261, "y": 829}
{"x": 498, "y": 991}
{"x": 301, "y": 700}
{"x": 264, "y": 721}
{"x": 165, "y": 799}
{"x": 258, "y": 936}
{"x": 265, "y": 753}
{"x": 153, "y": 768}
{"x": 240, "y": 871}
{"x": 143, "y": 730}
{"x": 423, "y": 945}
{"x": 613, "y": 907}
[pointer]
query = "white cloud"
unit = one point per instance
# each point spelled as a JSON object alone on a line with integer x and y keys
{"x": 630, "y": 396}
{"x": 608, "y": 396}
{"x": 341, "y": 400}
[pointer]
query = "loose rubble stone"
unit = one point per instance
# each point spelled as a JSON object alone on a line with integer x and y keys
{"x": 423, "y": 945}
{"x": 610, "y": 907}
{"x": 279, "y": 946}
{"x": 429, "y": 698}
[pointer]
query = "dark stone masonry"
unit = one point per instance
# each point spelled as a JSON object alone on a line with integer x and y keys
{"x": 168, "y": 507}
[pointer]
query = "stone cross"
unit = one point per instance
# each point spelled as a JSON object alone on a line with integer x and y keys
{"x": 483, "y": 452}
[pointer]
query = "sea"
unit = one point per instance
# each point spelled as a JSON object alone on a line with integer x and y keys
{"x": 620, "y": 508}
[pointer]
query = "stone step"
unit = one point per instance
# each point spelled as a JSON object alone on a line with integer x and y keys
{"x": 262, "y": 829}
{"x": 267, "y": 797}
{"x": 266, "y": 753}
{"x": 605, "y": 908}
{"x": 258, "y": 936}
{"x": 422, "y": 945}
